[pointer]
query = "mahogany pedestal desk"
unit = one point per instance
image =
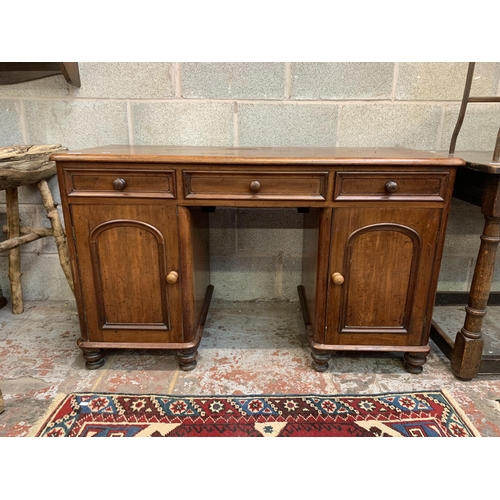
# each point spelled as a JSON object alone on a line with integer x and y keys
{"x": 478, "y": 184}
{"x": 138, "y": 224}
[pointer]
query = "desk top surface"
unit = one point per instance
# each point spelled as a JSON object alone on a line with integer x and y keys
{"x": 259, "y": 156}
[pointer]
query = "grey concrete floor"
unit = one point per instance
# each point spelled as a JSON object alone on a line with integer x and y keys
{"x": 247, "y": 348}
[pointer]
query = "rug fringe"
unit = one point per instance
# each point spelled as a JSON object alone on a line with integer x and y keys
{"x": 53, "y": 406}
{"x": 460, "y": 412}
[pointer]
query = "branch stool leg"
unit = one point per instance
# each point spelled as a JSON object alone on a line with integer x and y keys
{"x": 13, "y": 225}
{"x": 57, "y": 227}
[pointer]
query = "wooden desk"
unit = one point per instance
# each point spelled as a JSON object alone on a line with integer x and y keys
{"x": 138, "y": 222}
{"x": 478, "y": 184}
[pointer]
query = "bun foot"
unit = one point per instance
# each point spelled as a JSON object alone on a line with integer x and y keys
{"x": 320, "y": 360}
{"x": 187, "y": 359}
{"x": 413, "y": 362}
{"x": 94, "y": 358}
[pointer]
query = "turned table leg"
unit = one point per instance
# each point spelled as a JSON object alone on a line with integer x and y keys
{"x": 468, "y": 348}
{"x": 13, "y": 231}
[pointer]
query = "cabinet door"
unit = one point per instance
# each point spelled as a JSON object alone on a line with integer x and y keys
{"x": 124, "y": 254}
{"x": 386, "y": 257}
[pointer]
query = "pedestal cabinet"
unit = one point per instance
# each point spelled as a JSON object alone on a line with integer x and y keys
{"x": 129, "y": 261}
{"x": 138, "y": 221}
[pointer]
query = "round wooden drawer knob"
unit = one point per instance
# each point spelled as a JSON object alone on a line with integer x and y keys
{"x": 337, "y": 278}
{"x": 172, "y": 277}
{"x": 255, "y": 186}
{"x": 119, "y": 184}
{"x": 391, "y": 186}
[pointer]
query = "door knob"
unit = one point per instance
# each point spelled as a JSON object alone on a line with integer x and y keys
{"x": 337, "y": 278}
{"x": 172, "y": 277}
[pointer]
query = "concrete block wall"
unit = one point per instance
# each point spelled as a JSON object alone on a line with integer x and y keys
{"x": 256, "y": 255}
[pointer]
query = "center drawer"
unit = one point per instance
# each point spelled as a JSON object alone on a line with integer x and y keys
{"x": 231, "y": 185}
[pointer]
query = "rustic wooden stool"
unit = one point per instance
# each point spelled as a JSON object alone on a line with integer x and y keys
{"x": 22, "y": 166}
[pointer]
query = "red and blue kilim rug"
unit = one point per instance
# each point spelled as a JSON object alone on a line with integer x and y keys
{"x": 409, "y": 414}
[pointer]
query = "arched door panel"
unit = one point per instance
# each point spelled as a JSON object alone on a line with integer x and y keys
{"x": 385, "y": 258}
{"x": 125, "y": 254}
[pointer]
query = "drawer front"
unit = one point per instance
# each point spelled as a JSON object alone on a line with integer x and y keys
{"x": 121, "y": 183}
{"x": 396, "y": 186}
{"x": 227, "y": 185}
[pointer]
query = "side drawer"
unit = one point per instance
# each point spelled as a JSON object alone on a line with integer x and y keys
{"x": 121, "y": 183}
{"x": 229, "y": 185}
{"x": 396, "y": 186}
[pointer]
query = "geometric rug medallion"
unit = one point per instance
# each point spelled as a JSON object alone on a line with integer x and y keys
{"x": 408, "y": 414}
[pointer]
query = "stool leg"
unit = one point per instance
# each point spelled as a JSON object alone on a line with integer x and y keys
{"x": 57, "y": 227}
{"x": 13, "y": 231}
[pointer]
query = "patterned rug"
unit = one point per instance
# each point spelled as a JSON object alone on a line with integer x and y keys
{"x": 409, "y": 414}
